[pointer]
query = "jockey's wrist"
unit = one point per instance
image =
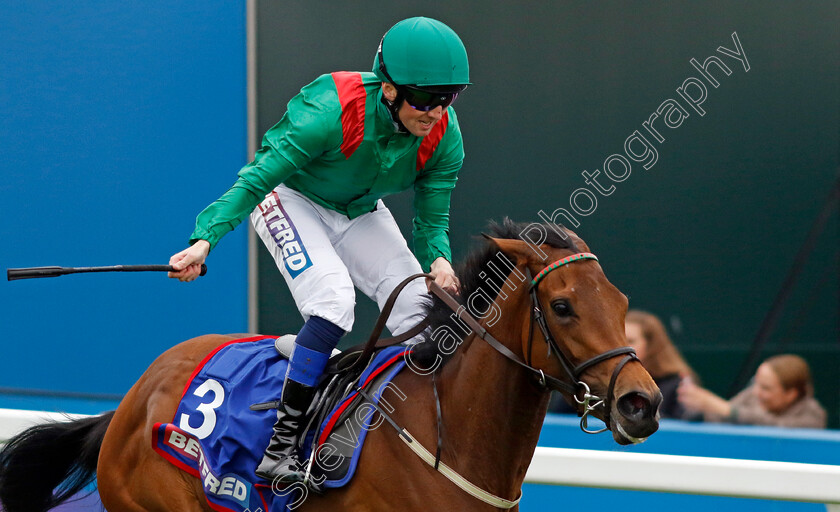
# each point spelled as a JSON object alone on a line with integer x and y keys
{"x": 440, "y": 263}
{"x": 203, "y": 245}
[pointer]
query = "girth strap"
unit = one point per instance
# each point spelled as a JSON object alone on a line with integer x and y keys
{"x": 456, "y": 478}
{"x": 441, "y": 467}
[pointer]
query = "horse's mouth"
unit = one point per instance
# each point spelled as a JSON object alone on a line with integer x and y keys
{"x": 622, "y": 437}
{"x": 635, "y": 416}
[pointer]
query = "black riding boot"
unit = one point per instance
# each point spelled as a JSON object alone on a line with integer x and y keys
{"x": 280, "y": 463}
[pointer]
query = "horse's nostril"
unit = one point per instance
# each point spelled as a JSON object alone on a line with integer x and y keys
{"x": 634, "y": 406}
{"x": 638, "y": 402}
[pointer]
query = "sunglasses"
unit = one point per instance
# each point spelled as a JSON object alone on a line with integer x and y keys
{"x": 418, "y": 99}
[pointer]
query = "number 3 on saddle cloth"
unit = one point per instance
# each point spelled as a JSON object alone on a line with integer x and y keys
{"x": 216, "y": 437}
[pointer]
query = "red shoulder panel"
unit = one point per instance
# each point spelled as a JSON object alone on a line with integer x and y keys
{"x": 351, "y": 96}
{"x": 431, "y": 141}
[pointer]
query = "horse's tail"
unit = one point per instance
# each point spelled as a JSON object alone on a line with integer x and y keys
{"x": 53, "y": 455}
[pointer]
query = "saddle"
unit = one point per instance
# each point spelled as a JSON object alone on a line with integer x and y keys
{"x": 337, "y": 405}
{"x": 217, "y": 437}
{"x": 223, "y": 422}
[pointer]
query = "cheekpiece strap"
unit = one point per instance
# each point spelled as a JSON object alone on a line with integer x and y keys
{"x": 559, "y": 263}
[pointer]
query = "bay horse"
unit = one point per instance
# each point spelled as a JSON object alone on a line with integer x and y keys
{"x": 564, "y": 327}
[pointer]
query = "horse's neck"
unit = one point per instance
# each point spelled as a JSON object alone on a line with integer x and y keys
{"x": 492, "y": 415}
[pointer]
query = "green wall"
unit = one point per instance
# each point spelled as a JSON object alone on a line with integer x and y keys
{"x": 705, "y": 236}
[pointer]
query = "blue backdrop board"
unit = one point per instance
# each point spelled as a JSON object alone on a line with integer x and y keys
{"x": 121, "y": 121}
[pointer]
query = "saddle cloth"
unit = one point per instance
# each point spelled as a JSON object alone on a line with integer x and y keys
{"x": 217, "y": 438}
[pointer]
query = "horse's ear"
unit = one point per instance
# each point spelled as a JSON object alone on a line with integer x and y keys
{"x": 517, "y": 250}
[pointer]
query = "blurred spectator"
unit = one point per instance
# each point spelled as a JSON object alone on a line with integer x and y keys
{"x": 663, "y": 361}
{"x": 781, "y": 395}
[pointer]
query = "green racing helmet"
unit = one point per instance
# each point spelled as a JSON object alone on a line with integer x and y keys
{"x": 423, "y": 53}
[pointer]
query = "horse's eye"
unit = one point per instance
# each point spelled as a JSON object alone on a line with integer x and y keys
{"x": 562, "y": 308}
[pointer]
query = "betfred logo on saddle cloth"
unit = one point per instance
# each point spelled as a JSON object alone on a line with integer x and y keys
{"x": 218, "y": 439}
{"x": 184, "y": 446}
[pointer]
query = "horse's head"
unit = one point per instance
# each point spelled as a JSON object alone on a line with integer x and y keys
{"x": 583, "y": 319}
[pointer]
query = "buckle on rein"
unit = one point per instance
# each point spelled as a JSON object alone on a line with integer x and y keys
{"x": 589, "y": 403}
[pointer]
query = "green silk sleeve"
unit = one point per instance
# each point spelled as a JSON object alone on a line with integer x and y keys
{"x": 432, "y": 194}
{"x": 254, "y": 182}
{"x": 310, "y": 126}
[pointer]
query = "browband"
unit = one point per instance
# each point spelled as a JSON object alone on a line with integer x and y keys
{"x": 559, "y": 263}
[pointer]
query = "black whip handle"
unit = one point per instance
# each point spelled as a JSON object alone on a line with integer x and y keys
{"x": 13, "y": 274}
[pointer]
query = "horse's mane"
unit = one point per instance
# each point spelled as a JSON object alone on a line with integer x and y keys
{"x": 479, "y": 272}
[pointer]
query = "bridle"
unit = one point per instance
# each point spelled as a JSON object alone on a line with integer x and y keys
{"x": 576, "y": 386}
{"x": 589, "y": 401}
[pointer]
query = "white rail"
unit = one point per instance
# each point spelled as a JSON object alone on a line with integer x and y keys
{"x": 815, "y": 483}
{"x": 13, "y": 421}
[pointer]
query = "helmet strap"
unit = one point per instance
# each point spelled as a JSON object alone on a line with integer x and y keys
{"x": 394, "y": 109}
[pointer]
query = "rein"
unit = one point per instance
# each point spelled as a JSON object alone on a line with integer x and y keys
{"x": 589, "y": 401}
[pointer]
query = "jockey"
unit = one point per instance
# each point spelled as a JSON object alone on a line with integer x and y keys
{"x": 314, "y": 194}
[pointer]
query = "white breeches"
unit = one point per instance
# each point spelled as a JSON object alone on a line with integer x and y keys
{"x": 322, "y": 254}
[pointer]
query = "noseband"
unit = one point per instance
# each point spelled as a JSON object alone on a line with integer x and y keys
{"x": 588, "y": 401}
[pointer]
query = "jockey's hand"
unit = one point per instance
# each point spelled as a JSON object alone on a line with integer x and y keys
{"x": 445, "y": 277}
{"x": 188, "y": 262}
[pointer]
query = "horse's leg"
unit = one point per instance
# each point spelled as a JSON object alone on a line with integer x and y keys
{"x": 131, "y": 476}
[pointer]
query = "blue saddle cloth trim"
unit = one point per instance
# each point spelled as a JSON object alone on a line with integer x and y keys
{"x": 215, "y": 437}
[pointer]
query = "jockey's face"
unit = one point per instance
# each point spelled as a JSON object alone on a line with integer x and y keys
{"x": 417, "y": 122}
